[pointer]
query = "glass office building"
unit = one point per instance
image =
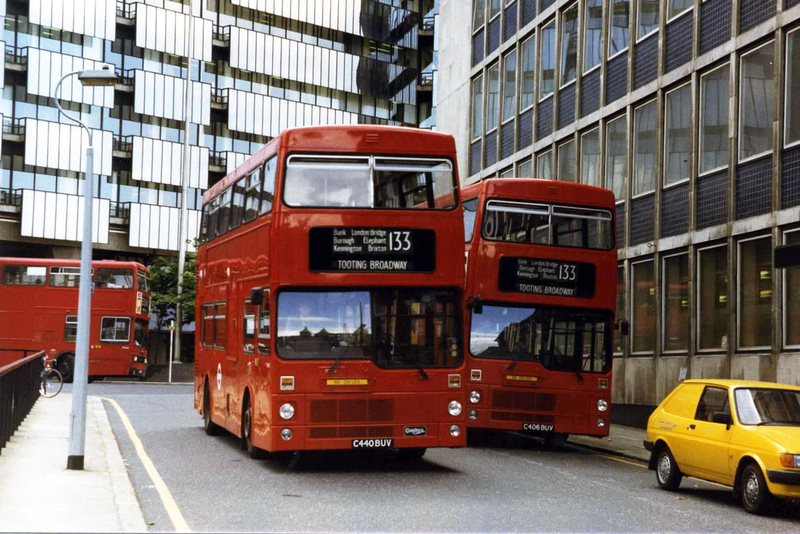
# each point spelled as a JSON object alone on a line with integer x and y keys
{"x": 689, "y": 110}
{"x": 259, "y": 66}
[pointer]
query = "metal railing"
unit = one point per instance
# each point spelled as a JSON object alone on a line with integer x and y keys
{"x": 221, "y": 33}
{"x": 11, "y": 197}
{"x": 428, "y": 23}
{"x": 17, "y": 56}
{"x": 217, "y": 159}
{"x": 122, "y": 143}
{"x": 120, "y": 210}
{"x": 219, "y": 96}
{"x": 126, "y": 10}
{"x": 426, "y": 79}
{"x": 12, "y": 126}
{"x": 125, "y": 77}
{"x": 19, "y": 388}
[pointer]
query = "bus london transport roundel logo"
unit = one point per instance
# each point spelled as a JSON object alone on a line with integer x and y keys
{"x": 219, "y": 376}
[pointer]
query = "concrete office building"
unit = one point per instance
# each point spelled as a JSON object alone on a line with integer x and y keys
{"x": 260, "y": 66}
{"x": 689, "y": 110}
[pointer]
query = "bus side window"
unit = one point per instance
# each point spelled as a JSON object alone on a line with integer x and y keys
{"x": 208, "y": 326}
{"x": 203, "y": 237}
{"x": 263, "y": 326}
{"x": 237, "y": 206}
{"x": 253, "y": 195}
{"x": 225, "y": 211}
{"x": 71, "y": 329}
{"x": 249, "y": 324}
{"x": 268, "y": 191}
{"x": 24, "y": 275}
{"x": 470, "y": 212}
{"x": 220, "y": 325}
{"x": 213, "y": 218}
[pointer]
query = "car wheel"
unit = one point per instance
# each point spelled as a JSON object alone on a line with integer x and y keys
{"x": 755, "y": 495}
{"x": 211, "y": 428}
{"x": 667, "y": 473}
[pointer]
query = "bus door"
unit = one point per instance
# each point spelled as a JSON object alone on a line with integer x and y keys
{"x": 254, "y": 364}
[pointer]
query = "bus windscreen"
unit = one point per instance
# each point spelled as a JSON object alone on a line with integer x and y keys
{"x": 394, "y": 328}
{"x": 561, "y": 339}
{"x": 369, "y": 182}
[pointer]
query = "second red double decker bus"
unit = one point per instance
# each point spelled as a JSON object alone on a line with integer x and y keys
{"x": 328, "y": 301}
{"x": 541, "y": 296}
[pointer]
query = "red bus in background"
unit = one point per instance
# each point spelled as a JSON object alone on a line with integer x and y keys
{"x": 541, "y": 282}
{"x": 39, "y": 310}
{"x": 328, "y": 301}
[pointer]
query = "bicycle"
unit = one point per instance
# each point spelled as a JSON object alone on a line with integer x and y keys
{"x": 51, "y": 381}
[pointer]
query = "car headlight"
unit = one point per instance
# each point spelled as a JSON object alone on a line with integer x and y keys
{"x": 286, "y": 434}
{"x": 601, "y": 422}
{"x": 790, "y": 460}
{"x": 474, "y": 397}
{"x": 286, "y": 411}
{"x": 454, "y": 408}
{"x": 602, "y": 405}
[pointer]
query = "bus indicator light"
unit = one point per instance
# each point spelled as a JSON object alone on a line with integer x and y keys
{"x": 287, "y": 383}
{"x": 454, "y": 381}
{"x": 475, "y": 375}
{"x": 602, "y": 383}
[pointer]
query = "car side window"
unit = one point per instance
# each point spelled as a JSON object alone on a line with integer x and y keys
{"x": 712, "y": 400}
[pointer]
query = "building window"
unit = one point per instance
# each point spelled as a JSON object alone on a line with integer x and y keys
{"x": 756, "y": 102}
{"x": 676, "y": 303}
{"x": 755, "y": 293}
{"x": 590, "y": 158}
{"x": 507, "y": 173}
{"x": 593, "y": 36}
{"x": 527, "y": 75}
{"x": 494, "y": 8}
{"x": 644, "y": 148}
{"x": 478, "y": 14}
{"x": 525, "y": 169}
{"x": 792, "y": 118}
{"x": 569, "y": 45}
{"x": 492, "y": 97}
{"x": 547, "y": 73}
{"x": 712, "y": 290}
{"x": 544, "y": 165}
{"x": 566, "y": 162}
{"x": 617, "y": 157}
{"x": 619, "y": 348}
{"x": 648, "y": 17}
{"x": 619, "y": 24}
{"x": 509, "y": 86}
{"x": 791, "y": 296}
{"x": 644, "y": 307}
{"x": 714, "y": 104}
{"x": 678, "y": 135}
{"x": 477, "y": 107}
{"x": 676, "y": 7}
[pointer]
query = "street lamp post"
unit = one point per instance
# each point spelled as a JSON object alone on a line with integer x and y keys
{"x": 104, "y": 76}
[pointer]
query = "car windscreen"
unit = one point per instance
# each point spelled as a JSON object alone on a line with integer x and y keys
{"x": 396, "y": 328}
{"x": 369, "y": 182}
{"x": 766, "y": 406}
{"x": 561, "y": 339}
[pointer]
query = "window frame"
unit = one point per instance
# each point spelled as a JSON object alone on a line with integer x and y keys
{"x": 706, "y": 389}
{"x": 640, "y": 38}
{"x": 541, "y": 156}
{"x": 540, "y": 50}
{"x": 634, "y": 151}
{"x": 216, "y": 346}
{"x": 632, "y": 319}
{"x": 739, "y": 347}
{"x": 666, "y": 129}
{"x": 504, "y": 82}
{"x": 786, "y": 121}
{"x": 664, "y": 350}
{"x": 698, "y": 302}
{"x": 530, "y": 39}
{"x": 115, "y": 317}
{"x": 559, "y": 148}
{"x": 679, "y": 14}
{"x": 739, "y": 135}
{"x": 477, "y": 82}
{"x": 487, "y": 98}
{"x": 604, "y": 151}
{"x": 560, "y": 49}
{"x": 785, "y": 303}
{"x": 583, "y": 134}
{"x": 700, "y": 123}
{"x": 583, "y": 33}
{"x": 610, "y": 17}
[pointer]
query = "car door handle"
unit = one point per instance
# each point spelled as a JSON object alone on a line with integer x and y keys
{"x": 691, "y": 427}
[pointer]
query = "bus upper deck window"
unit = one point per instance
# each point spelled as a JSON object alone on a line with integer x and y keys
{"x": 268, "y": 189}
{"x": 107, "y": 278}
{"x": 24, "y": 275}
{"x": 65, "y": 276}
{"x": 142, "y": 281}
{"x": 583, "y": 228}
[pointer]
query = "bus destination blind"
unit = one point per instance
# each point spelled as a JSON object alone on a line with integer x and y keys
{"x": 547, "y": 277}
{"x": 400, "y": 250}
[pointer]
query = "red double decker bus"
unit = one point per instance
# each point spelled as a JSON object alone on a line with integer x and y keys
{"x": 39, "y": 310}
{"x": 328, "y": 301}
{"x": 540, "y": 296}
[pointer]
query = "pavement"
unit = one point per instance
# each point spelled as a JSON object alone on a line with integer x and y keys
{"x": 39, "y": 494}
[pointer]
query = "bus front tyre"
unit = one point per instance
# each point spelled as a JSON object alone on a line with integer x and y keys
{"x": 254, "y": 452}
{"x": 211, "y": 428}
{"x": 411, "y": 454}
{"x": 66, "y": 366}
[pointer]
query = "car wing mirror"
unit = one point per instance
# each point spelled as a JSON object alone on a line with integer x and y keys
{"x": 722, "y": 418}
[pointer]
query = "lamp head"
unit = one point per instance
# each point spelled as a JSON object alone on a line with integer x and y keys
{"x": 104, "y": 76}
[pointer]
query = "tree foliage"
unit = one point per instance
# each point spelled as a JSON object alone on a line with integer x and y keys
{"x": 164, "y": 296}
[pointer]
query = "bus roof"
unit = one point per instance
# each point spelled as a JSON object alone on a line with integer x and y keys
{"x": 534, "y": 189}
{"x": 343, "y": 139}
{"x": 71, "y": 263}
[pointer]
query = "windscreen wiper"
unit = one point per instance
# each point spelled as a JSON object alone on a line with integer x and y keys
{"x": 332, "y": 368}
{"x": 422, "y": 371}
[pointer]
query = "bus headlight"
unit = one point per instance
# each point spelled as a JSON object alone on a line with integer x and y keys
{"x": 455, "y": 431}
{"x": 474, "y": 397}
{"x": 286, "y": 434}
{"x": 454, "y": 408}
{"x": 286, "y": 411}
{"x": 473, "y": 414}
{"x": 601, "y": 422}
{"x": 602, "y": 405}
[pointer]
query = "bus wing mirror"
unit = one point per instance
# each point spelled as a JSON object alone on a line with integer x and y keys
{"x": 624, "y": 327}
{"x": 257, "y": 296}
{"x": 477, "y": 305}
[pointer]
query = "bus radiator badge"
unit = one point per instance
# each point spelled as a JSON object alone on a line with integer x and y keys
{"x": 415, "y": 431}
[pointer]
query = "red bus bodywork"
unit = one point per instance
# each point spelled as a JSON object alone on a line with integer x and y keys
{"x": 39, "y": 308}
{"x": 527, "y": 396}
{"x": 345, "y": 404}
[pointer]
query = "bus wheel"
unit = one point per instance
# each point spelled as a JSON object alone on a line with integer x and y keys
{"x": 66, "y": 366}
{"x": 555, "y": 441}
{"x": 211, "y": 428}
{"x": 411, "y": 455}
{"x": 247, "y": 433}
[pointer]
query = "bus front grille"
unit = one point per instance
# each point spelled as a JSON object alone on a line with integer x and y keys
{"x": 351, "y": 432}
{"x": 352, "y": 410}
{"x": 523, "y": 400}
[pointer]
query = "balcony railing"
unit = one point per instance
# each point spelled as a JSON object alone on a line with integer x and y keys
{"x": 11, "y": 197}
{"x": 16, "y": 56}
{"x": 428, "y": 23}
{"x": 221, "y": 33}
{"x": 125, "y": 77}
{"x": 122, "y": 143}
{"x": 217, "y": 159}
{"x": 12, "y": 126}
{"x": 426, "y": 79}
{"x": 219, "y": 97}
{"x": 120, "y": 210}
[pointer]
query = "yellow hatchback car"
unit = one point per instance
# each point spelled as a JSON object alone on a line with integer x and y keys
{"x": 739, "y": 433}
